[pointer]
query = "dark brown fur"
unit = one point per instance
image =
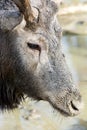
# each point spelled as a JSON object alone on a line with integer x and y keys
{"x": 13, "y": 80}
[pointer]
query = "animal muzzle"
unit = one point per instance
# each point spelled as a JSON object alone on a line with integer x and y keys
{"x": 75, "y": 107}
{"x": 67, "y": 104}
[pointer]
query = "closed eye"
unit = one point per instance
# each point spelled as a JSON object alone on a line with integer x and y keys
{"x": 34, "y": 46}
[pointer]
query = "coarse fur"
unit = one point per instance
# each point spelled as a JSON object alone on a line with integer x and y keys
{"x": 32, "y": 63}
{"x": 13, "y": 79}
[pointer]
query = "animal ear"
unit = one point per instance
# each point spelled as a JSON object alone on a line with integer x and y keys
{"x": 35, "y": 12}
{"x": 11, "y": 16}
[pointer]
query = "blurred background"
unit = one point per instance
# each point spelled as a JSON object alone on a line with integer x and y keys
{"x": 33, "y": 115}
{"x": 73, "y": 19}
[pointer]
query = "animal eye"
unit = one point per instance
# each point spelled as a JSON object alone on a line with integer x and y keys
{"x": 34, "y": 46}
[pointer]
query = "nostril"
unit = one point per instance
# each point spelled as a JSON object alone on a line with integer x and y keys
{"x": 74, "y": 107}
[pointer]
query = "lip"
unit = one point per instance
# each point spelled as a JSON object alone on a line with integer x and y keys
{"x": 61, "y": 111}
{"x": 68, "y": 112}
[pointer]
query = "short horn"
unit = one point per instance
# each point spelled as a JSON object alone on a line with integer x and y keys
{"x": 26, "y": 9}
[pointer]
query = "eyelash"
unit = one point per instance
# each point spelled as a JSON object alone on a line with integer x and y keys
{"x": 34, "y": 46}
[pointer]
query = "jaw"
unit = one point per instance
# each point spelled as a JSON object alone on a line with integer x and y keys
{"x": 61, "y": 111}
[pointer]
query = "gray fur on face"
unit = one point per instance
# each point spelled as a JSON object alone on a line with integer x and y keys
{"x": 32, "y": 63}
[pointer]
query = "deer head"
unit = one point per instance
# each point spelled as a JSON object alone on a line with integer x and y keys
{"x": 34, "y": 63}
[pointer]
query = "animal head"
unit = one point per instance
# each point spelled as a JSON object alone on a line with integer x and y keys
{"x": 32, "y": 61}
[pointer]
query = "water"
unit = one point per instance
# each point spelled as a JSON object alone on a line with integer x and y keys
{"x": 40, "y": 115}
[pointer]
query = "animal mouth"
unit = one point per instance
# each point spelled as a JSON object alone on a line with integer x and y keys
{"x": 61, "y": 111}
{"x": 72, "y": 109}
